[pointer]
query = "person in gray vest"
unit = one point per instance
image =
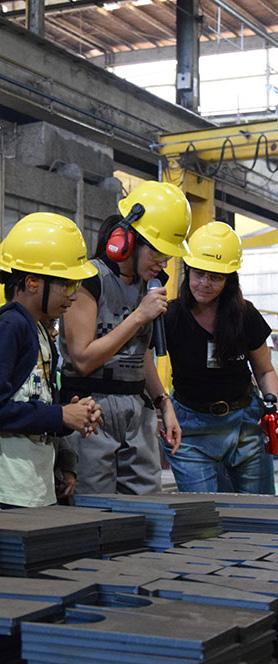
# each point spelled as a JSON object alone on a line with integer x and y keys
{"x": 105, "y": 341}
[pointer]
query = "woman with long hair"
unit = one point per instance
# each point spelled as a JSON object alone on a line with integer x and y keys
{"x": 220, "y": 360}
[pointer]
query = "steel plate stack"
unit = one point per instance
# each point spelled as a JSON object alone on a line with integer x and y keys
{"x": 31, "y": 539}
{"x": 170, "y": 519}
{"x": 136, "y": 640}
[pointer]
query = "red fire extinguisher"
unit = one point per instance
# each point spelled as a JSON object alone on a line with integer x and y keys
{"x": 269, "y": 423}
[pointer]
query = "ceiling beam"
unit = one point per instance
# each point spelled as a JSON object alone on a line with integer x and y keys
{"x": 61, "y": 26}
{"x": 249, "y": 22}
{"x": 224, "y": 25}
{"x": 270, "y": 9}
{"x": 151, "y": 20}
{"x": 125, "y": 25}
{"x": 53, "y": 8}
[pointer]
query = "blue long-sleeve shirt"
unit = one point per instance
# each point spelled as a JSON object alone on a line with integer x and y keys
{"x": 19, "y": 348}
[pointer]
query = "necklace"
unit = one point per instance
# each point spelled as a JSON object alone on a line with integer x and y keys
{"x": 45, "y": 349}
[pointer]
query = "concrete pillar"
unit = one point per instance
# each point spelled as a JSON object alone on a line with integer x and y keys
{"x": 75, "y": 173}
{"x": 187, "y": 82}
{"x": 35, "y": 16}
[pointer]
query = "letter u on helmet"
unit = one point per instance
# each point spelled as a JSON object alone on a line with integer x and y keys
{"x": 47, "y": 244}
{"x": 215, "y": 247}
{"x": 167, "y": 217}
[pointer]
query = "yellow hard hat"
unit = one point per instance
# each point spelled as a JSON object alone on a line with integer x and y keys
{"x": 2, "y": 295}
{"x": 215, "y": 247}
{"x": 48, "y": 244}
{"x": 2, "y": 287}
{"x": 167, "y": 217}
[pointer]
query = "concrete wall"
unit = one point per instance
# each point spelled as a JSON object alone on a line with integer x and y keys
{"x": 48, "y": 168}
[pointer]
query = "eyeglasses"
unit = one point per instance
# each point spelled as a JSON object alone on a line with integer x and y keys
{"x": 160, "y": 258}
{"x": 213, "y": 277}
{"x": 70, "y": 287}
{"x": 157, "y": 256}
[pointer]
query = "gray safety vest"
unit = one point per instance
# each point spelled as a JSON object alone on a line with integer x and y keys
{"x": 124, "y": 372}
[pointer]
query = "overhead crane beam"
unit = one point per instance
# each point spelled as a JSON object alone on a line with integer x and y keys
{"x": 237, "y": 141}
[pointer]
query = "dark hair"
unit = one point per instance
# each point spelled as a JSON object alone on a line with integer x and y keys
{"x": 13, "y": 281}
{"x": 229, "y": 334}
{"x": 104, "y": 232}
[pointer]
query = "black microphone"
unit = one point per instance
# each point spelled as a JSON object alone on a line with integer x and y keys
{"x": 159, "y": 337}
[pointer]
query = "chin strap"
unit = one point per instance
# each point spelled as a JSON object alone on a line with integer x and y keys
{"x": 45, "y": 295}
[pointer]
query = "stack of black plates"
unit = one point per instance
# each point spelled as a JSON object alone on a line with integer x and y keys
{"x": 248, "y": 512}
{"x": 136, "y": 640}
{"x": 246, "y": 500}
{"x": 62, "y": 592}
{"x": 233, "y": 550}
{"x": 154, "y": 564}
{"x": 13, "y": 611}
{"x": 249, "y": 520}
{"x": 211, "y": 594}
{"x": 255, "y": 628}
{"x": 21, "y": 600}
{"x": 170, "y": 519}
{"x": 33, "y": 539}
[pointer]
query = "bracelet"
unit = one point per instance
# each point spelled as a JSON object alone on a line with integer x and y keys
{"x": 158, "y": 400}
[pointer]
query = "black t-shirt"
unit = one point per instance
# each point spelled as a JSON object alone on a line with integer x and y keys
{"x": 196, "y": 377}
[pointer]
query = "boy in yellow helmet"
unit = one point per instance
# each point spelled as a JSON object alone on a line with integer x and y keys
{"x": 42, "y": 262}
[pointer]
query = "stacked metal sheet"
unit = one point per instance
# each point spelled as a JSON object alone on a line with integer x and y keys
{"x": 153, "y": 564}
{"x": 125, "y": 609}
{"x": 255, "y": 629}
{"x": 204, "y": 593}
{"x": 46, "y": 590}
{"x": 248, "y": 500}
{"x": 249, "y": 520}
{"x": 248, "y": 513}
{"x": 12, "y": 612}
{"x": 110, "y": 638}
{"x": 33, "y": 539}
{"x": 170, "y": 519}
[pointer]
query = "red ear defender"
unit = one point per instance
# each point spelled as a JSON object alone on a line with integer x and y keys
{"x": 120, "y": 244}
{"x": 121, "y": 241}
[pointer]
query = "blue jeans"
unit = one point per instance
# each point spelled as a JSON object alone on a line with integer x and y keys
{"x": 213, "y": 446}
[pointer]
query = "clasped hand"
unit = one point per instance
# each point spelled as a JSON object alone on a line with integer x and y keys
{"x": 83, "y": 415}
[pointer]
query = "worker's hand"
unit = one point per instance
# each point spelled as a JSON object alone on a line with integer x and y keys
{"x": 152, "y": 305}
{"x": 171, "y": 433}
{"x": 66, "y": 487}
{"x": 95, "y": 414}
{"x": 82, "y": 415}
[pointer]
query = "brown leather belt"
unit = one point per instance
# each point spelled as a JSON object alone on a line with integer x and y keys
{"x": 219, "y": 408}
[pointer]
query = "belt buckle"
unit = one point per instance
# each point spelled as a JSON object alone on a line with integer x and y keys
{"x": 219, "y": 408}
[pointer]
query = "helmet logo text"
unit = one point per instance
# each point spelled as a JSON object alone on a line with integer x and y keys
{"x": 217, "y": 256}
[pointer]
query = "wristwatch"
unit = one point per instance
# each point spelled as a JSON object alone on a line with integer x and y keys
{"x": 158, "y": 400}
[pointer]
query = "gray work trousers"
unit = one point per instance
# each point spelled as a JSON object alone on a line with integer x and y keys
{"x": 124, "y": 456}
